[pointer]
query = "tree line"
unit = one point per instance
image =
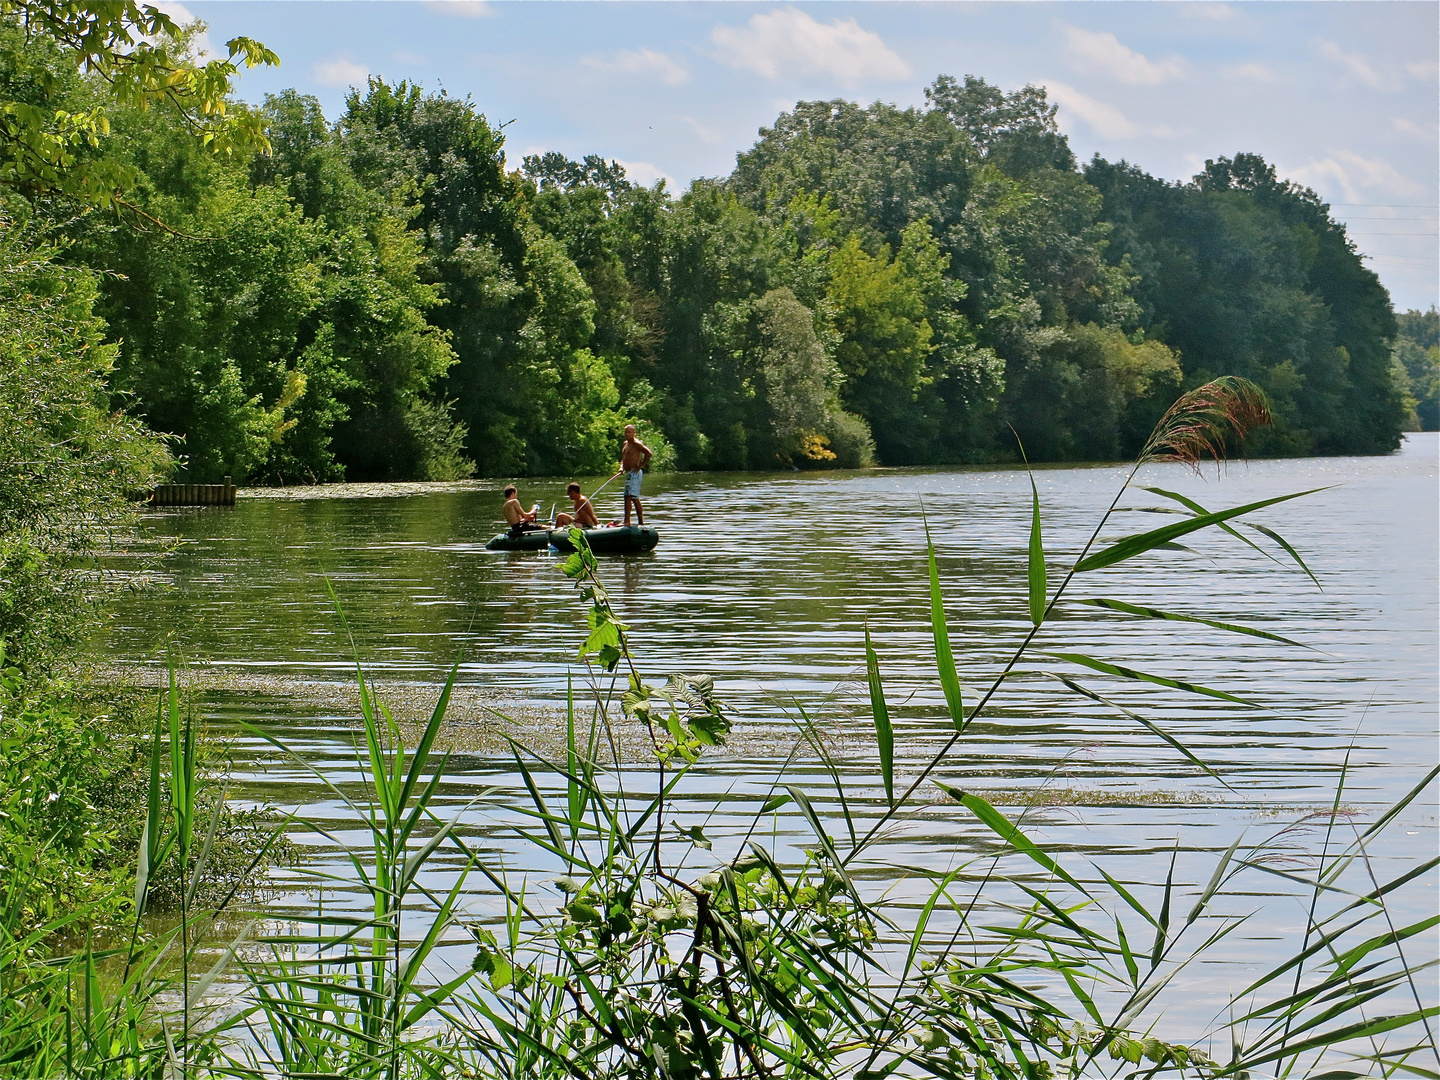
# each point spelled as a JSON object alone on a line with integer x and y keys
{"x": 386, "y": 297}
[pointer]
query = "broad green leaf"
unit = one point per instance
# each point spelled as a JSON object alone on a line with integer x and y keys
{"x": 1036, "y": 567}
{"x": 1131, "y": 546}
{"x": 884, "y": 734}
{"x": 1158, "y": 680}
{"x": 1156, "y": 613}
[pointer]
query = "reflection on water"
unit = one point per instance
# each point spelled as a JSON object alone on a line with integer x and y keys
{"x": 768, "y": 582}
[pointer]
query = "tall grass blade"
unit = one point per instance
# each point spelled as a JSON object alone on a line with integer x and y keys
{"x": 1141, "y": 676}
{"x": 1156, "y": 613}
{"x": 884, "y": 733}
{"x": 1410, "y": 796}
{"x": 1004, "y": 828}
{"x": 1273, "y": 535}
{"x": 1149, "y": 725}
{"x": 1035, "y": 568}
{"x": 944, "y": 659}
{"x": 1132, "y": 546}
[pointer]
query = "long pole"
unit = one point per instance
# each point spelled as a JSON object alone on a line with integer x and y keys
{"x": 603, "y": 486}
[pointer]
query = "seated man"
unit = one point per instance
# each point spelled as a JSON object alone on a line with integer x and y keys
{"x": 520, "y": 519}
{"x": 584, "y": 516}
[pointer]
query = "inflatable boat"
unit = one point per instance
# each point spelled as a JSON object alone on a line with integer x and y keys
{"x": 606, "y": 540}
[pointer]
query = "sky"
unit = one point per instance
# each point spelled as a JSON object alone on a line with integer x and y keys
{"x": 1339, "y": 96}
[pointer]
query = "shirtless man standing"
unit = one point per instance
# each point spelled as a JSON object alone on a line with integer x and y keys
{"x": 634, "y": 457}
{"x": 584, "y": 516}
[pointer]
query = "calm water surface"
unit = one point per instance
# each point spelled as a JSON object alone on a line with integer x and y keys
{"x": 767, "y": 582}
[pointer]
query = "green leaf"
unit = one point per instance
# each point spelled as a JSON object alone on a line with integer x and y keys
{"x": 1158, "y": 680}
{"x": 1156, "y": 613}
{"x": 1002, "y": 827}
{"x": 695, "y": 834}
{"x": 1149, "y": 725}
{"x": 774, "y": 803}
{"x": 1131, "y": 546}
{"x": 1273, "y": 535}
{"x": 1037, "y": 559}
{"x": 884, "y": 734}
{"x": 944, "y": 659}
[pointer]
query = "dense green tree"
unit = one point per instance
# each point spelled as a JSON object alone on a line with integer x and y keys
{"x": 382, "y": 298}
{"x": 277, "y": 346}
{"x": 70, "y": 466}
{"x": 1248, "y": 275}
{"x": 1417, "y": 366}
{"x": 137, "y": 57}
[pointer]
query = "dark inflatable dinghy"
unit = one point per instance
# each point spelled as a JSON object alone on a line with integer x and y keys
{"x": 521, "y": 540}
{"x": 606, "y": 540}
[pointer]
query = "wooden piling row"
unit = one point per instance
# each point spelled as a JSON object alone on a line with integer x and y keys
{"x": 194, "y": 494}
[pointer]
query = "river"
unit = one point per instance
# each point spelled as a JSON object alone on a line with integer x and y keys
{"x": 768, "y": 582}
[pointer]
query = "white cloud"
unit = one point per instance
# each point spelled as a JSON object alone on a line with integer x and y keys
{"x": 1253, "y": 72}
{"x": 1198, "y": 9}
{"x": 1348, "y": 172}
{"x": 410, "y": 58}
{"x": 1104, "y": 53}
{"x": 339, "y": 71}
{"x": 787, "y": 41}
{"x": 641, "y": 62}
{"x": 1409, "y": 127}
{"x": 1105, "y": 120}
{"x": 1425, "y": 70}
{"x": 1354, "y": 64}
{"x": 462, "y": 9}
{"x": 645, "y": 174}
{"x": 708, "y": 135}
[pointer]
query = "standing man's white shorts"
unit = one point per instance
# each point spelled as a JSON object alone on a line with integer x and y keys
{"x": 632, "y": 483}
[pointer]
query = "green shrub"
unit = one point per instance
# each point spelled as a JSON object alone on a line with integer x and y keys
{"x": 70, "y": 466}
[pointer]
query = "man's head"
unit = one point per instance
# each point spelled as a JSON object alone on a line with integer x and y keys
{"x": 509, "y": 491}
{"x": 629, "y": 431}
{"x": 573, "y": 490}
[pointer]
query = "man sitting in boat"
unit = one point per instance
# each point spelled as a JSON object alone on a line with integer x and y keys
{"x": 584, "y": 516}
{"x": 520, "y": 519}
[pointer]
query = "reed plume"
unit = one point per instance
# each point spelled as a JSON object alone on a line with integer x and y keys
{"x": 1203, "y": 422}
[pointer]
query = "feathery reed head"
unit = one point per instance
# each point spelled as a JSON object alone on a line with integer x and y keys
{"x": 1203, "y": 422}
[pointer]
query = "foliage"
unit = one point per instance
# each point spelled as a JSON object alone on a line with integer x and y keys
{"x": 69, "y": 466}
{"x": 138, "y": 57}
{"x": 284, "y": 339}
{"x": 1417, "y": 366}
{"x": 75, "y": 777}
{"x": 381, "y": 298}
{"x": 1242, "y": 272}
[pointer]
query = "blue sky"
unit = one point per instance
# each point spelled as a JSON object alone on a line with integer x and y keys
{"x": 1340, "y": 96}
